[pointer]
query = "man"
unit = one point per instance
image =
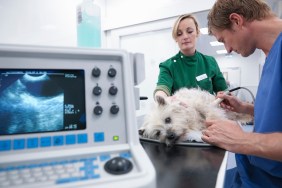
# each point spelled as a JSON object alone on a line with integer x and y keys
{"x": 244, "y": 26}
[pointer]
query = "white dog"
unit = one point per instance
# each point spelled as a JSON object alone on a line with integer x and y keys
{"x": 182, "y": 116}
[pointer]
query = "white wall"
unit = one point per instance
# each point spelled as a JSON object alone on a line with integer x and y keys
{"x": 53, "y": 22}
{"x": 140, "y": 11}
{"x": 249, "y": 67}
{"x": 39, "y": 22}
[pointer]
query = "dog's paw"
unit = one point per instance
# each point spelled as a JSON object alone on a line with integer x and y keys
{"x": 193, "y": 136}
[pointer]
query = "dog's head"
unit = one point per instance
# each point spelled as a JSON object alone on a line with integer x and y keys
{"x": 171, "y": 120}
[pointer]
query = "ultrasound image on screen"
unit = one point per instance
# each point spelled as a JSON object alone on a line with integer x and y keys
{"x": 36, "y": 101}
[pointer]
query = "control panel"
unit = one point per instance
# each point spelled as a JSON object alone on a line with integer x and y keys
{"x": 75, "y": 109}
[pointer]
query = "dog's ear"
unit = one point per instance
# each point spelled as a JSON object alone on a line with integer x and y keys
{"x": 160, "y": 100}
{"x": 141, "y": 131}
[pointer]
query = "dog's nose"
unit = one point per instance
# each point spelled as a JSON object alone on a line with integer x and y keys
{"x": 170, "y": 136}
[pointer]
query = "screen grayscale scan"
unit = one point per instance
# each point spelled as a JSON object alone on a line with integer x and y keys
{"x": 36, "y": 101}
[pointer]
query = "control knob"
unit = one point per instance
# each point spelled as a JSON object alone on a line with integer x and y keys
{"x": 97, "y": 90}
{"x": 114, "y": 109}
{"x": 96, "y": 72}
{"x": 112, "y": 72}
{"x": 113, "y": 90}
{"x": 98, "y": 110}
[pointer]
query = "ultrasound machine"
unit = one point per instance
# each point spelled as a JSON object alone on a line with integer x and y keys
{"x": 67, "y": 119}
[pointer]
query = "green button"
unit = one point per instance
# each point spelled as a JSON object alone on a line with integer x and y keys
{"x": 116, "y": 138}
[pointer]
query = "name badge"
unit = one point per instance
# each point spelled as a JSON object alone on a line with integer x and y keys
{"x": 201, "y": 77}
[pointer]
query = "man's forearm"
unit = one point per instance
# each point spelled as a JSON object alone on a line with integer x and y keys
{"x": 266, "y": 145}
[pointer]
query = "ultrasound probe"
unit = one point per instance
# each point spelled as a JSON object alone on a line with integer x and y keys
{"x": 219, "y": 100}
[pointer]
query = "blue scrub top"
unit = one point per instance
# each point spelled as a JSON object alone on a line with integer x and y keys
{"x": 255, "y": 171}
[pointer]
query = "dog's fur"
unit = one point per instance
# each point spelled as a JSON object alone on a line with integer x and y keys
{"x": 182, "y": 116}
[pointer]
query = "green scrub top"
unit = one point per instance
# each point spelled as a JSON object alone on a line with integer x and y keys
{"x": 197, "y": 71}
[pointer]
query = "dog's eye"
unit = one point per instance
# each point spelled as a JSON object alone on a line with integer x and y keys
{"x": 167, "y": 120}
{"x": 158, "y": 133}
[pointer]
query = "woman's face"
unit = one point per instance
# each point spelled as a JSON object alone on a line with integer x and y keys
{"x": 186, "y": 36}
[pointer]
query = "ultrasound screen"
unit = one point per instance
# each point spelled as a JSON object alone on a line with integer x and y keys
{"x": 36, "y": 101}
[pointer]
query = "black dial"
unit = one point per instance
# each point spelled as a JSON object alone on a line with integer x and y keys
{"x": 98, "y": 110}
{"x": 114, "y": 109}
{"x": 112, "y": 72}
{"x": 96, "y": 72}
{"x": 97, "y": 90}
{"x": 113, "y": 90}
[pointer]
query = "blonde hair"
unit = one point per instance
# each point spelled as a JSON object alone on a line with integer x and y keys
{"x": 179, "y": 19}
{"x": 218, "y": 17}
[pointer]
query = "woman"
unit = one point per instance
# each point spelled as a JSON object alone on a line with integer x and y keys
{"x": 189, "y": 68}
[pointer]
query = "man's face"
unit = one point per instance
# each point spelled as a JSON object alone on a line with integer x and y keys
{"x": 235, "y": 39}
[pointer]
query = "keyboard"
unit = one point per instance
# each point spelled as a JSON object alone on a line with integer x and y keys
{"x": 59, "y": 171}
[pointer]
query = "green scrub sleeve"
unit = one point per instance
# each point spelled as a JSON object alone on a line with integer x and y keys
{"x": 162, "y": 88}
{"x": 165, "y": 80}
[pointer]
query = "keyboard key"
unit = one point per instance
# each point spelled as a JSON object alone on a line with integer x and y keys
{"x": 5, "y": 145}
{"x": 32, "y": 143}
{"x": 45, "y": 141}
{"x": 19, "y": 144}
{"x": 70, "y": 139}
